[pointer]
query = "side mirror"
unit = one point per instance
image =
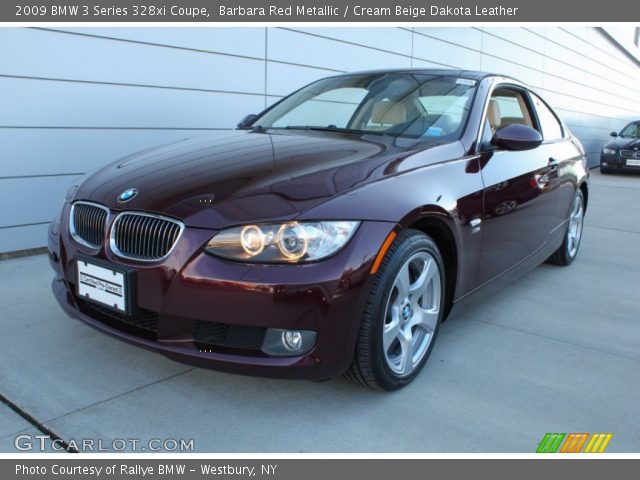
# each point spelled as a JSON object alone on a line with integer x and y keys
{"x": 614, "y": 134}
{"x": 517, "y": 137}
{"x": 246, "y": 122}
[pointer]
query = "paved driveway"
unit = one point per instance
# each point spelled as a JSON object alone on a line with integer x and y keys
{"x": 556, "y": 351}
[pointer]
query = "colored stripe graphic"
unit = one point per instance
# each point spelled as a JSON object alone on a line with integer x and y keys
{"x": 574, "y": 443}
{"x": 550, "y": 443}
{"x": 598, "y": 443}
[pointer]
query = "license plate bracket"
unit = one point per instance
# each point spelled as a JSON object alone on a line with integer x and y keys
{"x": 104, "y": 284}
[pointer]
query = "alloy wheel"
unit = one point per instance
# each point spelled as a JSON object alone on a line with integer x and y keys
{"x": 574, "y": 232}
{"x": 411, "y": 314}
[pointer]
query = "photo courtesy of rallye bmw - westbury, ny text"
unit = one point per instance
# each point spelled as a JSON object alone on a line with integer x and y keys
{"x": 170, "y": 470}
{"x": 319, "y": 240}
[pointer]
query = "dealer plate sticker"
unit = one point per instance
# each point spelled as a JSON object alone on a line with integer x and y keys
{"x": 102, "y": 285}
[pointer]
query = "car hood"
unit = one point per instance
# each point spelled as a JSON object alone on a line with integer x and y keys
{"x": 240, "y": 176}
{"x": 624, "y": 143}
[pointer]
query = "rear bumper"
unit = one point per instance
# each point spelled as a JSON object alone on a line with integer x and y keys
{"x": 191, "y": 289}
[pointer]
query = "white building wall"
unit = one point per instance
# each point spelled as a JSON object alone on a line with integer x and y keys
{"x": 73, "y": 99}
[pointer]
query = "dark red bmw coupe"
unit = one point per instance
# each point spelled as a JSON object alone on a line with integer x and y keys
{"x": 330, "y": 234}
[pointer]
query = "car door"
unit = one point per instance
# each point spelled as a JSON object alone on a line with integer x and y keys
{"x": 563, "y": 156}
{"x": 519, "y": 187}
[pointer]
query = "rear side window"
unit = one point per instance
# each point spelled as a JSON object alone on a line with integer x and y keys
{"x": 551, "y": 127}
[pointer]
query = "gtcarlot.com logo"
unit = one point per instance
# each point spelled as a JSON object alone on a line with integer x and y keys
{"x": 44, "y": 443}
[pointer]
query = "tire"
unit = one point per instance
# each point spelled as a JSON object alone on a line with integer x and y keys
{"x": 388, "y": 361}
{"x": 568, "y": 251}
{"x": 604, "y": 171}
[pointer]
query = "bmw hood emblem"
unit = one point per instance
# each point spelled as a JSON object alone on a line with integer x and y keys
{"x": 127, "y": 195}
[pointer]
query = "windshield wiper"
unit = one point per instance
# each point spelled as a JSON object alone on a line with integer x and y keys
{"x": 331, "y": 128}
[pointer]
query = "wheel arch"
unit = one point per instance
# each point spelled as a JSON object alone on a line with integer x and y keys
{"x": 584, "y": 188}
{"x": 437, "y": 223}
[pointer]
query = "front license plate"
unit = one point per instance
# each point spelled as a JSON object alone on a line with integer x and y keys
{"x": 633, "y": 163}
{"x": 102, "y": 284}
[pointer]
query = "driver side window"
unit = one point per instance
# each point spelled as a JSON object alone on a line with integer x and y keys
{"x": 507, "y": 106}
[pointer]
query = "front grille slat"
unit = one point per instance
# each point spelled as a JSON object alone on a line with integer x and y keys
{"x": 94, "y": 227}
{"x": 630, "y": 153}
{"x": 138, "y": 236}
{"x": 88, "y": 222}
{"x": 157, "y": 246}
{"x": 144, "y": 236}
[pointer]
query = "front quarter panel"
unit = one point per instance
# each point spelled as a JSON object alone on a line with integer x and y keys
{"x": 450, "y": 190}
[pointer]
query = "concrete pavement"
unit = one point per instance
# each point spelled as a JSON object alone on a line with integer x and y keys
{"x": 556, "y": 351}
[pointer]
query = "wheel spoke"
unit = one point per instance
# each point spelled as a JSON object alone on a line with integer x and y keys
{"x": 425, "y": 319}
{"x": 403, "y": 282}
{"x": 391, "y": 330}
{"x": 406, "y": 351}
{"x": 428, "y": 271}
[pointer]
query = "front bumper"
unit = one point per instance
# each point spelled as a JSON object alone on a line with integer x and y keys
{"x": 616, "y": 162}
{"x": 209, "y": 312}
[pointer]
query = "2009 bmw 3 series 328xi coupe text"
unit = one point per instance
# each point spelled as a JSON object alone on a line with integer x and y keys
{"x": 330, "y": 234}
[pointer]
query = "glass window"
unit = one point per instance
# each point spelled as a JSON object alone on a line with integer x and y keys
{"x": 398, "y": 104}
{"x": 333, "y": 107}
{"x": 631, "y": 130}
{"x": 507, "y": 106}
{"x": 551, "y": 126}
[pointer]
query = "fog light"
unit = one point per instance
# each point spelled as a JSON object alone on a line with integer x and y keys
{"x": 292, "y": 340}
{"x": 281, "y": 343}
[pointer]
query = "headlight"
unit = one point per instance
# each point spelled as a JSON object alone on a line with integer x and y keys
{"x": 608, "y": 151}
{"x": 290, "y": 242}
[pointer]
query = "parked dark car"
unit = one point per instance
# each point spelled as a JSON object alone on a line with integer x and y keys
{"x": 623, "y": 152}
{"x": 330, "y": 234}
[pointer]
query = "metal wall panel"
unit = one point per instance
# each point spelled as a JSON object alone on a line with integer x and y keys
{"x": 74, "y": 99}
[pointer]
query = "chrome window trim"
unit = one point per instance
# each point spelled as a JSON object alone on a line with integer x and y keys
{"x": 116, "y": 251}
{"x": 72, "y": 228}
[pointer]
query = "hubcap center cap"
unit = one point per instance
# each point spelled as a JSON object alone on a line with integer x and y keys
{"x": 406, "y": 312}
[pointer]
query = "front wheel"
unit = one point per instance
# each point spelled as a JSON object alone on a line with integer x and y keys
{"x": 568, "y": 251}
{"x": 402, "y": 315}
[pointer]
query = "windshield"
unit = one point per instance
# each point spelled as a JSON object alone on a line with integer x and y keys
{"x": 399, "y": 104}
{"x": 631, "y": 130}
